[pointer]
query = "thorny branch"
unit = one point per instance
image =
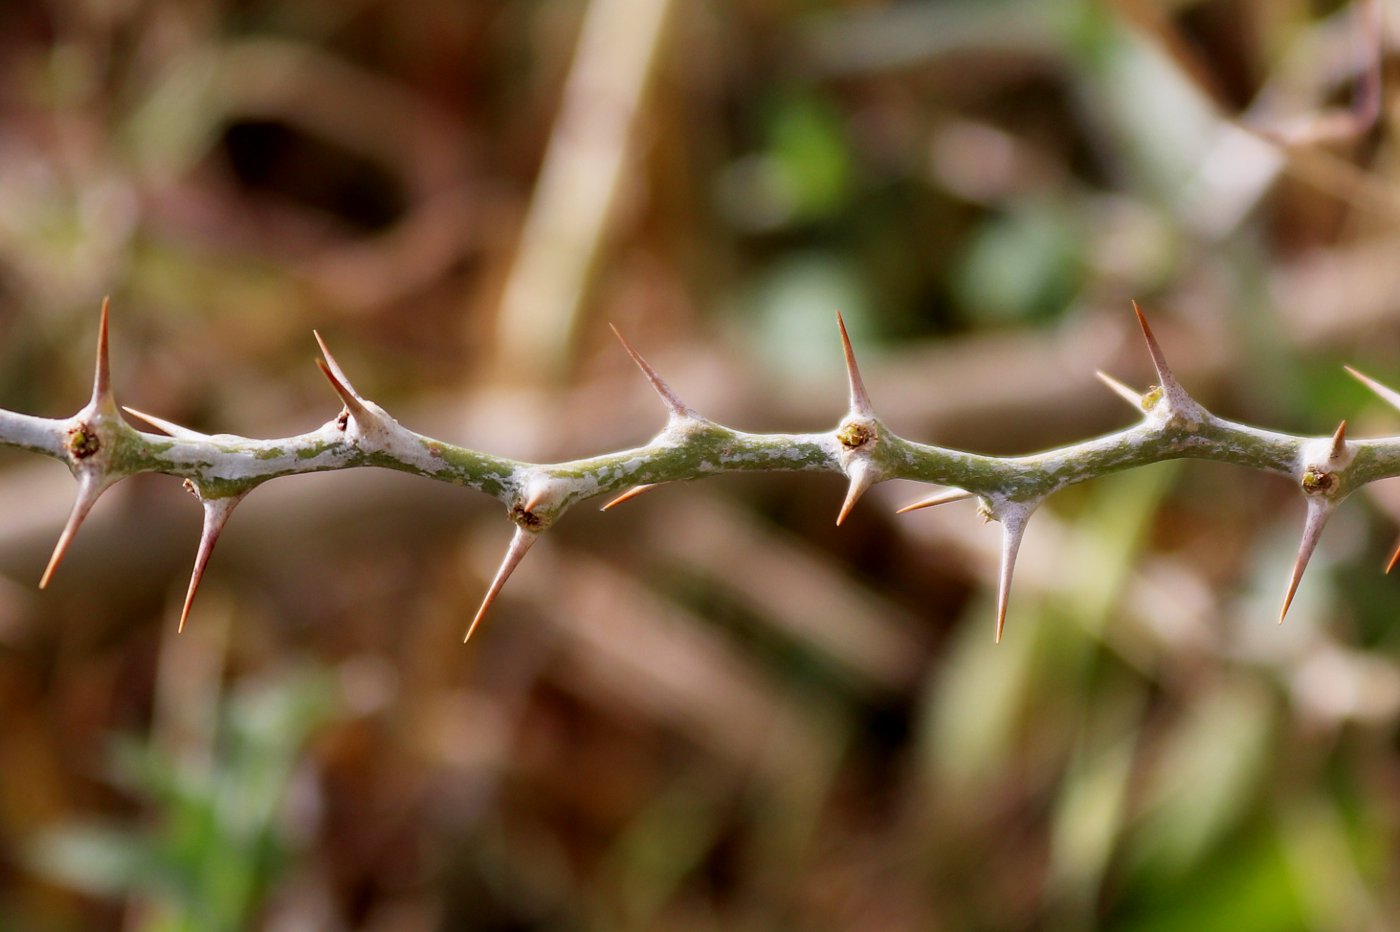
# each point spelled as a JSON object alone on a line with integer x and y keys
{"x": 102, "y": 448}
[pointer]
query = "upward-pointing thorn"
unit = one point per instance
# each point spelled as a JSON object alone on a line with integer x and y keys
{"x": 1173, "y": 394}
{"x": 336, "y": 376}
{"x": 1013, "y": 527}
{"x": 90, "y": 486}
{"x": 674, "y": 405}
{"x": 1389, "y": 395}
{"x": 1339, "y": 442}
{"x": 860, "y": 400}
{"x": 216, "y": 514}
{"x": 1319, "y": 510}
{"x": 520, "y": 544}
{"x": 102, "y": 399}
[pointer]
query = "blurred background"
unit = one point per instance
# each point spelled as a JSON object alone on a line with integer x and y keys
{"x": 708, "y": 709}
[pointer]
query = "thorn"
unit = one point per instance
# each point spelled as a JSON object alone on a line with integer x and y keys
{"x": 1013, "y": 527}
{"x": 537, "y": 499}
{"x": 862, "y": 478}
{"x": 1319, "y": 510}
{"x": 940, "y": 498}
{"x": 90, "y": 487}
{"x": 860, "y": 401}
{"x": 630, "y": 494}
{"x": 347, "y": 394}
{"x": 334, "y": 366}
{"x": 520, "y": 544}
{"x": 216, "y": 514}
{"x": 672, "y": 401}
{"x": 1132, "y": 397}
{"x": 1176, "y": 397}
{"x": 171, "y": 428}
{"x": 1394, "y": 558}
{"x": 1388, "y": 395}
{"x": 1339, "y": 442}
{"x": 102, "y": 399}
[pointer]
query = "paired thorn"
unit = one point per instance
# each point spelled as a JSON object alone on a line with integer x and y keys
{"x": 1013, "y": 528}
{"x": 520, "y": 544}
{"x": 216, "y": 515}
{"x": 1339, "y": 443}
{"x": 860, "y": 399}
{"x": 939, "y": 498}
{"x": 630, "y": 494}
{"x": 676, "y": 407}
{"x": 1129, "y": 395}
{"x": 1386, "y": 394}
{"x": 90, "y": 488}
{"x": 862, "y": 476}
{"x": 1319, "y": 510}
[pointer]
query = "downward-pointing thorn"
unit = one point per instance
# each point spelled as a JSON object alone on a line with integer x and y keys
{"x": 520, "y": 544}
{"x": 672, "y": 401}
{"x": 1013, "y": 528}
{"x": 862, "y": 478}
{"x": 1388, "y": 395}
{"x": 1132, "y": 397}
{"x": 216, "y": 514}
{"x": 940, "y": 498}
{"x": 860, "y": 400}
{"x": 1319, "y": 510}
{"x": 630, "y": 494}
{"x": 90, "y": 487}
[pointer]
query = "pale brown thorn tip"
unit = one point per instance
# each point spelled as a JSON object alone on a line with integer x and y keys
{"x": 1319, "y": 511}
{"x": 940, "y": 498}
{"x": 672, "y": 401}
{"x": 1132, "y": 397}
{"x": 862, "y": 478}
{"x": 1173, "y": 394}
{"x": 1388, "y": 395}
{"x": 860, "y": 400}
{"x": 102, "y": 398}
{"x": 216, "y": 514}
{"x": 520, "y": 544}
{"x": 1013, "y": 528}
{"x": 1339, "y": 441}
{"x": 347, "y": 395}
{"x": 1394, "y": 558}
{"x": 630, "y": 494}
{"x": 331, "y": 361}
{"x": 90, "y": 487}
{"x": 171, "y": 428}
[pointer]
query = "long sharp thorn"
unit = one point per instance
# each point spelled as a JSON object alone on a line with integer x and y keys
{"x": 1013, "y": 528}
{"x": 520, "y": 544}
{"x": 1319, "y": 510}
{"x": 1173, "y": 393}
{"x": 862, "y": 478}
{"x": 331, "y": 362}
{"x": 102, "y": 398}
{"x": 89, "y": 489}
{"x": 216, "y": 514}
{"x": 1339, "y": 441}
{"x": 860, "y": 400}
{"x": 171, "y": 428}
{"x": 941, "y": 498}
{"x": 1388, "y": 395}
{"x": 347, "y": 396}
{"x": 1394, "y": 558}
{"x": 630, "y": 494}
{"x": 1132, "y": 397}
{"x": 672, "y": 401}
